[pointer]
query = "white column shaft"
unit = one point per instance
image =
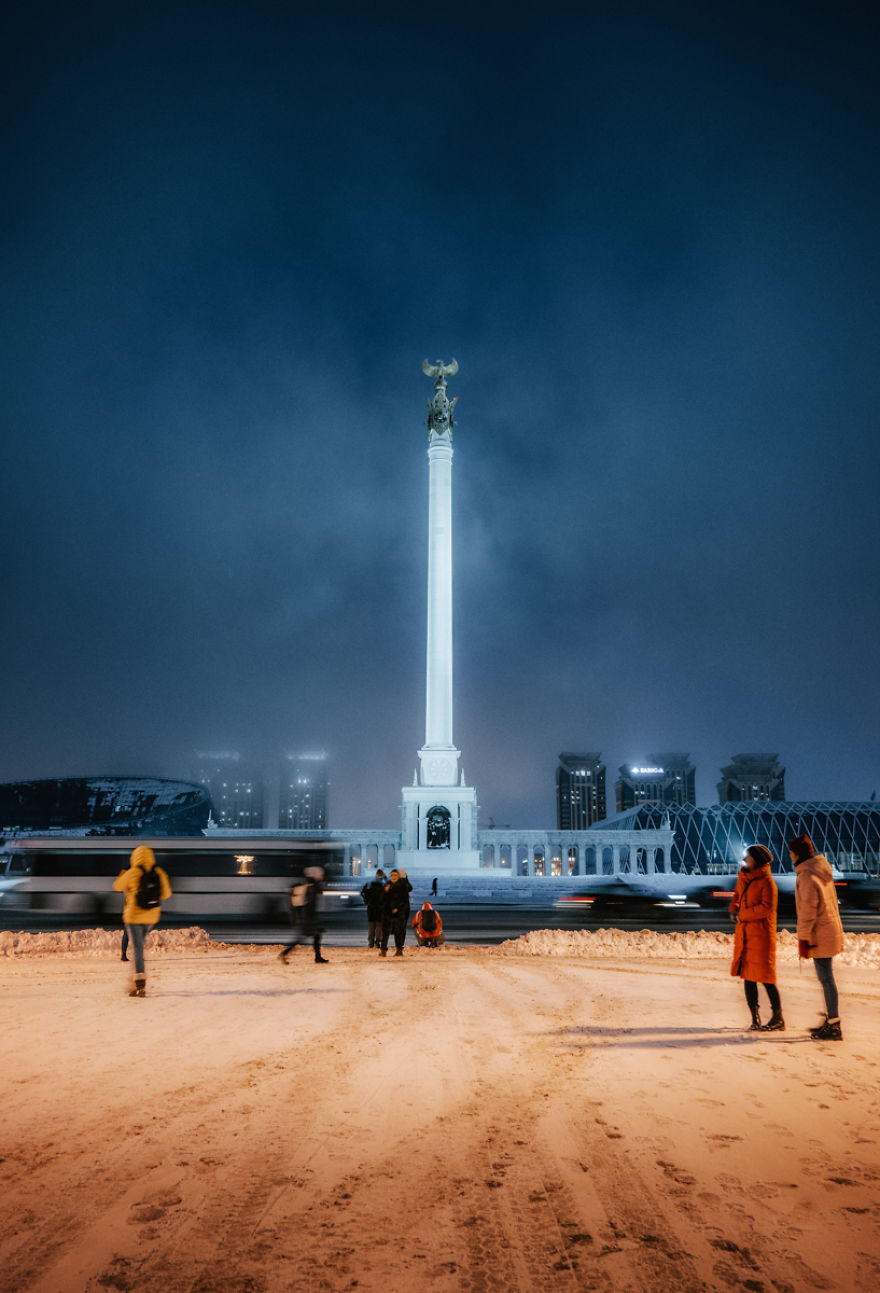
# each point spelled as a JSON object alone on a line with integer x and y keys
{"x": 438, "y": 691}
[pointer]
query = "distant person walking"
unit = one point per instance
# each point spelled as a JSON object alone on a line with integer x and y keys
{"x": 819, "y": 929}
{"x": 146, "y": 886}
{"x": 753, "y": 907}
{"x": 395, "y": 914}
{"x": 373, "y": 894}
{"x": 304, "y": 915}
{"x": 428, "y": 925}
{"x": 434, "y": 887}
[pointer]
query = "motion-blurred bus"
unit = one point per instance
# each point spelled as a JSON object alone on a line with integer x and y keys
{"x": 240, "y": 879}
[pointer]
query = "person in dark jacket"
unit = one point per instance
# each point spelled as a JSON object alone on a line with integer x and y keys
{"x": 395, "y": 914}
{"x": 373, "y": 895}
{"x": 304, "y": 916}
{"x": 754, "y": 942}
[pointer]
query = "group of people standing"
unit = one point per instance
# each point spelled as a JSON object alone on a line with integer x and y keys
{"x": 819, "y": 931}
{"x": 754, "y": 906}
{"x": 387, "y": 903}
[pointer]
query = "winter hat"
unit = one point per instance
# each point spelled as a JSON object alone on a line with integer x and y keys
{"x": 144, "y": 857}
{"x": 426, "y": 906}
{"x": 762, "y": 856}
{"x": 380, "y": 874}
{"x": 802, "y": 848}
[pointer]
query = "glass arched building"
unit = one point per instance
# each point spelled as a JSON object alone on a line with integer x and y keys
{"x": 712, "y": 840}
{"x": 105, "y": 806}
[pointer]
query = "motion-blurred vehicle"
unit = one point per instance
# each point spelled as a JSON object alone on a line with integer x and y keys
{"x": 241, "y": 879}
{"x": 606, "y": 896}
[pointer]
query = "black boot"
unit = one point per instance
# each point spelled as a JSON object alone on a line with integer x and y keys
{"x": 321, "y": 960}
{"x": 139, "y": 988}
{"x": 776, "y": 1024}
{"x": 755, "y": 1026}
{"x": 830, "y": 1031}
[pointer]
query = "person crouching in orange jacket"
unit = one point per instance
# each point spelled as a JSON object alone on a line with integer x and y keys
{"x": 428, "y": 925}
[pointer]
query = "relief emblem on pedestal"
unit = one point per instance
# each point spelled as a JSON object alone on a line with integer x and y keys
{"x": 438, "y": 770}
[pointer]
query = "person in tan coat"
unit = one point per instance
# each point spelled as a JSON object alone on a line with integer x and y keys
{"x": 753, "y": 907}
{"x": 819, "y": 929}
{"x": 146, "y": 887}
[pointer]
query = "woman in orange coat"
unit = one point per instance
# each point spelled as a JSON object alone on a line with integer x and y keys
{"x": 754, "y": 940}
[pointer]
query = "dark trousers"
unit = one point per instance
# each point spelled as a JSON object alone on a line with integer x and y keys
{"x": 825, "y": 974}
{"x": 374, "y": 933}
{"x": 304, "y": 930}
{"x": 137, "y": 934}
{"x": 395, "y": 925}
{"x": 772, "y": 993}
{"x": 297, "y": 942}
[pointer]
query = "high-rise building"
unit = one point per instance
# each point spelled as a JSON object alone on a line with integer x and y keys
{"x": 662, "y": 779}
{"x": 752, "y": 778}
{"x": 303, "y": 800}
{"x": 236, "y": 789}
{"x": 580, "y": 791}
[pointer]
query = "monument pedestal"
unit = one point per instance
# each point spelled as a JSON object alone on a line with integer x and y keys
{"x": 439, "y": 829}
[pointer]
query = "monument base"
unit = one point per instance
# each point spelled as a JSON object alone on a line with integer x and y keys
{"x": 440, "y": 862}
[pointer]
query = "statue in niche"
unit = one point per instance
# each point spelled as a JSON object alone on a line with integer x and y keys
{"x": 438, "y": 828}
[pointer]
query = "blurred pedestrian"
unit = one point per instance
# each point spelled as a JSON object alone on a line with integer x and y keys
{"x": 395, "y": 913}
{"x": 428, "y": 924}
{"x": 373, "y": 894}
{"x": 304, "y": 915}
{"x": 819, "y": 929}
{"x": 753, "y": 907}
{"x": 146, "y": 886}
{"x": 434, "y": 887}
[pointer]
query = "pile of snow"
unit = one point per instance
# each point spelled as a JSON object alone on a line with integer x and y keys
{"x": 681, "y": 945}
{"x": 102, "y": 942}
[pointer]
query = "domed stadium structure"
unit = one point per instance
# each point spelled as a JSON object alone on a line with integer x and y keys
{"x": 104, "y": 806}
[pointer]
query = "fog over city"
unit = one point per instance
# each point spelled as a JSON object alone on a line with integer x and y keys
{"x": 648, "y": 236}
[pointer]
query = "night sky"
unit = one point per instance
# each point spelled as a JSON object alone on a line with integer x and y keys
{"x": 649, "y": 235}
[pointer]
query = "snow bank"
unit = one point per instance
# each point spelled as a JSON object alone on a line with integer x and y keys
{"x": 102, "y": 942}
{"x": 681, "y": 945}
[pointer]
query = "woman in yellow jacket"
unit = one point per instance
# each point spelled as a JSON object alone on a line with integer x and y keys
{"x": 146, "y": 887}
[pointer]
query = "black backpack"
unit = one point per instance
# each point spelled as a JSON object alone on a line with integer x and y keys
{"x": 149, "y": 891}
{"x": 429, "y": 921}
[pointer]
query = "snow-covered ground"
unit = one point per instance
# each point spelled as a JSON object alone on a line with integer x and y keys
{"x": 562, "y": 1112}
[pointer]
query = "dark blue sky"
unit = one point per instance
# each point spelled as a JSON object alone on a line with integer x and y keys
{"x": 648, "y": 233}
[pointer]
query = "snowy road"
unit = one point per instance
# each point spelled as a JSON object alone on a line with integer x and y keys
{"x": 461, "y": 1120}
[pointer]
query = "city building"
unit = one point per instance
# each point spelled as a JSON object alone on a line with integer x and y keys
{"x": 752, "y": 778}
{"x": 303, "y": 798}
{"x": 712, "y": 840}
{"x": 104, "y": 806}
{"x": 662, "y": 779}
{"x": 236, "y": 790}
{"x": 580, "y": 791}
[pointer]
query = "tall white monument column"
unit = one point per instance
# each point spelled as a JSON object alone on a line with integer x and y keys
{"x": 439, "y": 810}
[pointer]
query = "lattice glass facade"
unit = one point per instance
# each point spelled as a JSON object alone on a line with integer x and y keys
{"x": 713, "y": 839}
